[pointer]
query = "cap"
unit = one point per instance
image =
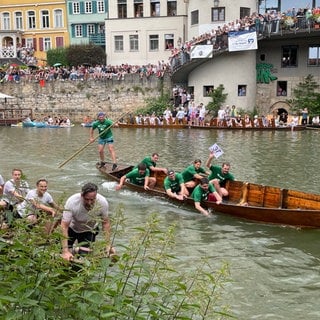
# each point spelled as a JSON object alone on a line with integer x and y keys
{"x": 170, "y": 171}
{"x": 100, "y": 114}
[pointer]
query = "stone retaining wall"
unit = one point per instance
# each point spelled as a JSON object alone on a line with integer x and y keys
{"x": 78, "y": 99}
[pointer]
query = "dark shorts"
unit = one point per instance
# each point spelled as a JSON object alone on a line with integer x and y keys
{"x": 105, "y": 141}
{"x": 85, "y": 238}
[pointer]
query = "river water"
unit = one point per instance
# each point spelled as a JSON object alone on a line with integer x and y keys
{"x": 274, "y": 269}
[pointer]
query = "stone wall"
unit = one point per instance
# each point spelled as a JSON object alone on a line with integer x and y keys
{"x": 78, "y": 99}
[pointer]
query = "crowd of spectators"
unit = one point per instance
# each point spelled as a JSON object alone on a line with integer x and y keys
{"x": 272, "y": 22}
{"x": 14, "y": 73}
{"x": 263, "y": 24}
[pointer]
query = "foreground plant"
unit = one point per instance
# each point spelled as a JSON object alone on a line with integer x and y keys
{"x": 144, "y": 283}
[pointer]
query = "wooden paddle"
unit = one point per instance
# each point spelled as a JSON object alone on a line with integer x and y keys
{"x": 88, "y": 144}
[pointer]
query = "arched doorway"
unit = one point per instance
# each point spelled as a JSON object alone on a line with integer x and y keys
{"x": 280, "y": 110}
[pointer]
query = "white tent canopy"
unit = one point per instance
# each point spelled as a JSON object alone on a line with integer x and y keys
{"x": 5, "y": 96}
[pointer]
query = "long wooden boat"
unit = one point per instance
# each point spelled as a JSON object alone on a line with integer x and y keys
{"x": 246, "y": 200}
{"x": 147, "y": 125}
{"x": 209, "y": 127}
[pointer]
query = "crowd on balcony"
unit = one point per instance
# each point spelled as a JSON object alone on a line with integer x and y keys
{"x": 264, "y": 24}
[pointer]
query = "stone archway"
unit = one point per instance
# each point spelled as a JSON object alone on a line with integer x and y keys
{"x": 280, "y": 108}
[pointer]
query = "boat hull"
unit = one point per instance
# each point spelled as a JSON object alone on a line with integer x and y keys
{"x": 254, "y": 202}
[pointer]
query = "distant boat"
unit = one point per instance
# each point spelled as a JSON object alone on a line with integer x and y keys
{"x": 87, "y": 124}
{"x": 40, "y": 124}
{"x": 11, "y": 116}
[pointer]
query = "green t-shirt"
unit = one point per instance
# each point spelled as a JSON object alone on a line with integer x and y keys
{"x": 190, "y": 171}
{"x": 148, "y": 162}
{"x": 101, "y": 126}
{"x": 200, "y": 194}
{"x": 174, "y": 185}
{"x": 216, "y": 173}
{"x": 136, "y": 178}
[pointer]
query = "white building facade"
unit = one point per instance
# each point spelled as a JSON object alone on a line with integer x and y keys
{"x": 140, "y": 32}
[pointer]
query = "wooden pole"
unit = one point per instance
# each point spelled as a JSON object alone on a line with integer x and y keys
{"x": 88, "y": 144}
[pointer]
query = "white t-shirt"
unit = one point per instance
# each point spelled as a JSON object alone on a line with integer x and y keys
{"x": 10, "y": 187}
{"x": 82, "y": 220}
{"x": 26, "y": 207}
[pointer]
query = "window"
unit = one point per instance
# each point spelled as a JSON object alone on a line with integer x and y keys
{"x": 100, "y": 7}
{"x": 6, "y": 21}
{"x": 58, "y": 18}
{"x": 289, "y": 56}
{"x": 169, "y": 41}
{"x": 88, "y": 7}
{"x": 314, "y": 55}
{"x": 45, "y": 19}
{"x": 122, "y": 9}
{"x": 154, "y": 42}
{"x": 218, "y": 14}
{"x": 29, "y": 43}
{"x": 91, "y": 29}
{"x": 242, "y": 90}
{"x": 207, "y": 90}
{"x": 76, "y": 8}
{"x": 31, "y": 19}
{"x": 118, "y": 43}
{"x": 138, "y": 8}
{"x": 134, "y": 42}
{"x": 155, "y": 8}
{"x": 172, "y": 8}
{"x": 78, "y": 30}
{"x": 244, "y": 12}
{"x": 18, "y": 20}
{"x": 194, "y": 17}
{"x": 47, "y": 44}
{"x": 282, "y": 88}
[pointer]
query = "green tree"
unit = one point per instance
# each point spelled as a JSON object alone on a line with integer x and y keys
{"x": 86, "y": 53}
{"x": 58, "y": 55}
{"x": 305, "y": 95}
{"x": 218, "y": 98}
{"x": 156, "y": 105}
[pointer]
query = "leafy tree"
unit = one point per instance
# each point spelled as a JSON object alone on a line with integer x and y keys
{"x": 156, "y": 105}
{"x": 58, "y": 55}
{"x": 218, "y": 98}
{"x": 87, "y": 53}
{"x": 306, "y": 96}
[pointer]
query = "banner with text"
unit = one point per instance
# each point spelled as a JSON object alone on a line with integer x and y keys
{"x": 201, "y": 51}
{"x": 242, "y": 40}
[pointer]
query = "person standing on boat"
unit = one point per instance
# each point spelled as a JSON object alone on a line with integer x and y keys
{"x": 304, "y": 116}
{"x": 105, "y": 137}
{"x": 139, "y": 176}
{"x": 81, "y": 217}
{"x": 192, "y": 174}
{"x": 202, "y": 192}
{"x": 219, "y": 175}
{"x": 174, "y": 185}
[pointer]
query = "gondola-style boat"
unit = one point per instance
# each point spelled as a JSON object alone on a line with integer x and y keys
{"x": 246, "y": 200}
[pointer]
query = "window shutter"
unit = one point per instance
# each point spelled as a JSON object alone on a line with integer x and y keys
{"x": 41, "y": 44}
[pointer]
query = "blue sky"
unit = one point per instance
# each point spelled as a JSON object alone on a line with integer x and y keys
{"x": 288, "y": 4}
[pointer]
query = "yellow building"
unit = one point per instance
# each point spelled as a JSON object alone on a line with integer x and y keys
{"x": 28, "y": 29}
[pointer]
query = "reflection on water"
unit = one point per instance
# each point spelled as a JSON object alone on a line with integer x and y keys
{"x": 274, "y": 269}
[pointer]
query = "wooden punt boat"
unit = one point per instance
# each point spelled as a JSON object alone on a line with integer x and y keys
{"x": 147, "y": 125}
{"x": 246, "y": 200}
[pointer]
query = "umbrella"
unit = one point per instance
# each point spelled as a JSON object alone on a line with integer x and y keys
{"x": 5, "y": 96}
{"x": 58, "y": 64}
{"x": 32, "y": 66}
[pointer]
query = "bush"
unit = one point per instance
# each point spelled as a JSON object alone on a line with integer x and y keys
{"x": 143, "y": 284}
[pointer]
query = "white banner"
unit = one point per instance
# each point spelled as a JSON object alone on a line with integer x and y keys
{"x": 201, "y": 51}
{"x": 242, "y": 40}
